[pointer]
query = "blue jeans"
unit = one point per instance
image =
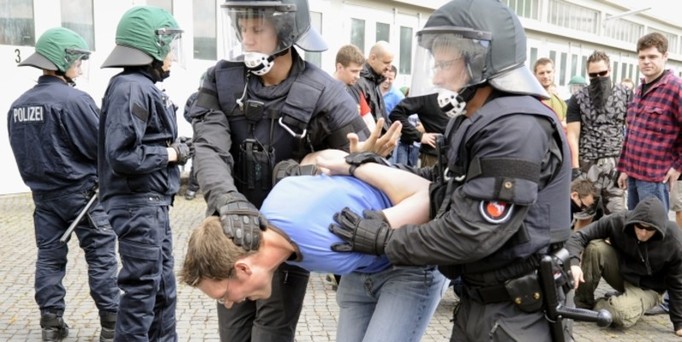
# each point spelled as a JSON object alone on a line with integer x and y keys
{"x": 406, "y": 154}
{"x": 402, "y": 298}
{"x": 639, "y": 190}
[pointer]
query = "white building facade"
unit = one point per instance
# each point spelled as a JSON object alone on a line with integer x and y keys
{"x": 566, "y": 31}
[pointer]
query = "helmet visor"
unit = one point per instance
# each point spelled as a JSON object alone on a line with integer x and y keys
{"x": 172, "y": 38}
{"x": 449, "y": 58}
{"x": 77, "y": 60}
{"x": 257, "y": 27}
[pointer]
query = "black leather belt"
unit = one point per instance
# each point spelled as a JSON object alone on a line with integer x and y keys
{"x": 488, "y": 294}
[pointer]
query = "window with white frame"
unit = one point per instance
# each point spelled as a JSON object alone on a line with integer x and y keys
{"x": 572, "y": 16}
{"x": 623, "y": 30}
{"x": 525, "y": 8}
{"x": 672, "y": 39}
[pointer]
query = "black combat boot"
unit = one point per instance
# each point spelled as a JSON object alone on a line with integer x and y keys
{"x": 54, "y": 328}
{"x": 108, "y": 322}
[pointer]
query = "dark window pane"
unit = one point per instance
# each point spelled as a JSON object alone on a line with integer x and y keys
{"x": 405, "y": 50}
{"x": 383, "y": 32}
{"x": 77, "y": 16}
{"x": 357, "y": 33}
{"x": 16, "y": 20}
{"x": 204, "y": 15}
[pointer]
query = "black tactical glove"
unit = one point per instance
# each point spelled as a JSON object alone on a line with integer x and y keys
{"x": 365, "y": 235}
{"x": 575, "y": 173}
{"x": 242, "y": 222}
{"x": 359, "y": 158}
{"x": 183, "y": 150}
{"x": 290, "y": 167}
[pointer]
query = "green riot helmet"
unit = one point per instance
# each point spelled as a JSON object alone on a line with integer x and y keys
{"x": 256, "y": 31}
{"x": 578, "y": 80}
{"x": 144, "y": 34}
{"x": 466, "y": 43}
{"x": 576, "y": 84}
{"x": 58, "y": 49}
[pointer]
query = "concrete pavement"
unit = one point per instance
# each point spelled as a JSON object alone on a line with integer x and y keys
{"x": 20, "y": 318}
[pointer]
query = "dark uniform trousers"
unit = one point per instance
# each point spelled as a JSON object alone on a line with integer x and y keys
{"x": 54, "y": 212}
{"x": 147, "y": 307}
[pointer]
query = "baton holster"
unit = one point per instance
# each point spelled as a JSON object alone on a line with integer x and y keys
{"x": 556, "y": 280}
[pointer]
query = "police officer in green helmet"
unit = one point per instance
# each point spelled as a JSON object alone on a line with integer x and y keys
{"x": 62, "y": 51}
{"x": 576, "y": 84}
{"x": 139, "y": 154}
{"x": 53, "y": 135}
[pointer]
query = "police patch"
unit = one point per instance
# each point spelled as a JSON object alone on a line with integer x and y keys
{"x": 496, "y": 211}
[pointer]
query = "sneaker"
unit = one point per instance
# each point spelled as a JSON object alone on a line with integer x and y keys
{"x": 53, "y": 327}
{"x": 190, "y": 195}
{"x": 613, "y": 293}
{"x": 331, "y": 280}
{"x": 656, "y": 310}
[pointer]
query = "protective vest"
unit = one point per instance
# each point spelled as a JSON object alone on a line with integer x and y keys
{"x": 601, "y": 131}
{"x": 264, "y": 133}
{"x": 485, "y": 179}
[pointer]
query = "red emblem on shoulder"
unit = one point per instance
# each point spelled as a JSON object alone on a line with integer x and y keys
{"x": 496, "y": 211}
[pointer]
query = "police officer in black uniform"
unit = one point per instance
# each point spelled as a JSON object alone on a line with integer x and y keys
{"x": 500, "y": 197}
{"x": 139, "y": 154}
{"x": 261, "y": 105}
{"x": 53, "y": 134}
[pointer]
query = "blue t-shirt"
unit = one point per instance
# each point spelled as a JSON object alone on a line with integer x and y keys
{"x": 303, "y": 207}
{"x": 392, "y": 98}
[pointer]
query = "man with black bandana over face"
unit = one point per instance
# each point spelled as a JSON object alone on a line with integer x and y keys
{"x": 595, "y": 120}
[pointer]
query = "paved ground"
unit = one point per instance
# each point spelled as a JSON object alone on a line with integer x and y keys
{"x": 20, "y": 321}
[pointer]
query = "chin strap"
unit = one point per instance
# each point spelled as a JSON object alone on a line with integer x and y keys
{"x": 453, "y": 103}
{"x": 259, "y": 63}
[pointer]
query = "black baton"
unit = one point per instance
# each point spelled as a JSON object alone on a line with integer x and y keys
{"x": 78, "y": 218}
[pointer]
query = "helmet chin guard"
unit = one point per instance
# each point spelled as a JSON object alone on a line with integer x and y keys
{"x": 259, "y": 63}
{"x": 451, "y": 103}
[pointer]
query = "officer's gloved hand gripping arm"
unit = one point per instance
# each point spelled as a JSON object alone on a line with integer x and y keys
{"x": 476, "y": 223}
{"x": 214, "y": 164}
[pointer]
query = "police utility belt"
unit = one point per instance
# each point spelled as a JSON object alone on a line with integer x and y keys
{"x": 527, "y": 292}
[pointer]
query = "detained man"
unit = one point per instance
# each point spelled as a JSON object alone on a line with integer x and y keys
{"x": 372, "y": 294}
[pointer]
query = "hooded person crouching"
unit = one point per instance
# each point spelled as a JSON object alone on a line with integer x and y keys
{"x": 638, "y": 253}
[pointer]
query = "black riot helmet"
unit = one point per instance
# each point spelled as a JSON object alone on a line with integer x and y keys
{"x": 257, "y": 31}
{"x": 466, "y": 43}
